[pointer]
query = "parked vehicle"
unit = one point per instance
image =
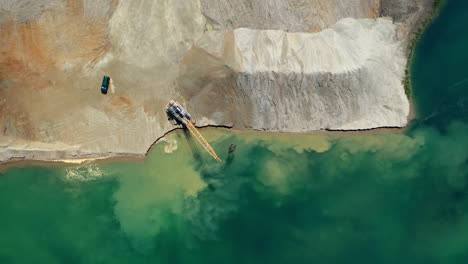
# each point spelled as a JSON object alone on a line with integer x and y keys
{"x": 105, "y": 84}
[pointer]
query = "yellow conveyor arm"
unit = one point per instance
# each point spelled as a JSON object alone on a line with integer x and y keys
{"x": 201, "y": 139}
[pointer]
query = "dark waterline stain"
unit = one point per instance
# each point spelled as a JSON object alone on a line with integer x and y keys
{"x": 380, "y": 198}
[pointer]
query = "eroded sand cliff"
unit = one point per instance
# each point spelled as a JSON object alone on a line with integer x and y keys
{"x": 279, "y": 65}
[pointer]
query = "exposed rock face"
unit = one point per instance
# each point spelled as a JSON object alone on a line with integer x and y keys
{"x": 333, "y": 72}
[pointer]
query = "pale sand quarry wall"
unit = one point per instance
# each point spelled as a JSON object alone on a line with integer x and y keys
{"x": 54, "y": 54}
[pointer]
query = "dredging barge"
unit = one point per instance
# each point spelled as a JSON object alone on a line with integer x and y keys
{"x": 182, "y": 117}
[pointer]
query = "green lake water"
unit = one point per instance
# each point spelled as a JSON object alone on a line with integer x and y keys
{"x": 388, "y": 197}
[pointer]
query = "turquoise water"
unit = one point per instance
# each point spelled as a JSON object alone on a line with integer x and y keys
{"x": 382, "y": 198}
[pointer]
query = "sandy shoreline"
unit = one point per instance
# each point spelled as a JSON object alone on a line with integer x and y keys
{"x": 4, "y": 166}
{"x": 79, "y": 161}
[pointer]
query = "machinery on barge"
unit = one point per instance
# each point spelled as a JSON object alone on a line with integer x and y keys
{"x": 182, "y": 117}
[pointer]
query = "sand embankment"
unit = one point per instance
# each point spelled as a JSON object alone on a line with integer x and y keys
{"x": 279, "y": 65}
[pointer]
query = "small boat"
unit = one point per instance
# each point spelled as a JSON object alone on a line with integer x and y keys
{"x": 232, "y": 148}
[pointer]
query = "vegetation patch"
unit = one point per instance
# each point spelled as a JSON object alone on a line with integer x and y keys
{"x": 417, "y": 36}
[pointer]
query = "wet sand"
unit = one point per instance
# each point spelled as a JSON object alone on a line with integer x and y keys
{"x": 79, "y": 161}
